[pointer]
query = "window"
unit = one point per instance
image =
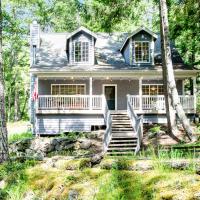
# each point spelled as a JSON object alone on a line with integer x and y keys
{"x": 67, "y": 89}
{"x": 152, "y": 89}
{"x": 142, "y": 54}
{"x": 81, "y": 51}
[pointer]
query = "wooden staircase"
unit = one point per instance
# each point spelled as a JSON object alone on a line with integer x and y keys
{"x": 124, "y": 139}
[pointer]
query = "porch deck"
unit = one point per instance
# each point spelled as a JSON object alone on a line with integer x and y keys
{"x": 87, "y": 104}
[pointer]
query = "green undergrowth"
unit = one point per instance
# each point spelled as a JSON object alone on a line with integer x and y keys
{"x": 167, "y": 153}
{"x": 118, "y": 182}
{"x": 73, "y": 135}
{"x": 15, "y": 177}
{"x": 195, "y": 144}
{"x": 20, "y": 136}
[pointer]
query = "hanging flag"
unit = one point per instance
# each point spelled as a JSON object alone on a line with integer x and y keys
{"x": 35, "y": 92}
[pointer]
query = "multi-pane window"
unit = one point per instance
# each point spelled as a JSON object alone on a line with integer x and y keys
{"x": 142, "y": 54}
{"x": 81, "y": 51}
{"x": 152, "y": 90}
{"x": 67, "y": 89}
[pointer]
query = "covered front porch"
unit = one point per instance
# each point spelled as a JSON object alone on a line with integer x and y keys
{"x": 95, "y": 104}
{"x": 89, "y": 95}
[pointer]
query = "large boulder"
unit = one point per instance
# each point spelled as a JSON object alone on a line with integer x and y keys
{"x": 96, "y": 159}
{"x": 85, "y": 143}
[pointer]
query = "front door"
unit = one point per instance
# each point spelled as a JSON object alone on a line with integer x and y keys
{"x": 110, "y": 94}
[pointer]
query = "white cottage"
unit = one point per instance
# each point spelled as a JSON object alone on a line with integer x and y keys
{"x": 84, "y": 80}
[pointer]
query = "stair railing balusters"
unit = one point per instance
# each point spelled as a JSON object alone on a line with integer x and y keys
{"x": 137, "y": 123}
{"x": 108, "y": 122}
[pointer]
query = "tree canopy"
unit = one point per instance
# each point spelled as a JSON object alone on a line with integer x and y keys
{"x": 97, "y": 15}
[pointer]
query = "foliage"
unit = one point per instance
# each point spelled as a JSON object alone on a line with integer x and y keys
{"x": 14, "y": 173}
{"x": 121, "y": 164}
{"x": 118, "y": 15}
{"x": 16, "y": 61}
{"x": 155, "y": 129}
{"x": 57, "y": 15}
{"x": 184, "y": 26}
{"x": 18, "y": 137}
{"x": 73, "y": 135}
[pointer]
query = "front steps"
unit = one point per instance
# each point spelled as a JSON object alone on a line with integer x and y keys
{"x": 124, "y": 140}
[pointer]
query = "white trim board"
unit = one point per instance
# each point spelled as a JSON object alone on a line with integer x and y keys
{"x": 103, "y": 91}
{"x": 112, "y": 73}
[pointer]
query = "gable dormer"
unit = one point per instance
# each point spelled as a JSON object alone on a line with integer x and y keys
{"x": 138, "y": 48}
{"x": 81, "y": 47}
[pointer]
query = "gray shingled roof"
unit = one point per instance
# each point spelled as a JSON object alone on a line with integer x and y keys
{"x": 52, "y": 53}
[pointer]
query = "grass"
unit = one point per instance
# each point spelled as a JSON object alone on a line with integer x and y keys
{"x": 116, "y": 183}
{"x": 17, "y": 137}
{"x": 14, "y": 174}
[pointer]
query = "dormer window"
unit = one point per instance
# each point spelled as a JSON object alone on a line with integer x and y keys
{"x": 81, "y": 52}
{"x": 142, "y": 52}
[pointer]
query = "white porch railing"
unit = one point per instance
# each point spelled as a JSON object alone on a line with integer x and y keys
{"x": 70, "y": 102}
{"x": 108, "y": 122}
{"x": 137, "y": 123}
{"x": 157, "y": 102}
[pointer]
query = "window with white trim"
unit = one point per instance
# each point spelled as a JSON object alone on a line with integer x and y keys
{"x": 67, "y": 89}
{"x": 81, "y": 51}
{"x": 152, "y": 89}
{"x": 142, "y": 52}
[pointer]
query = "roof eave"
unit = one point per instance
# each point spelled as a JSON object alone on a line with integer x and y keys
{"x": 137, "y": 31}
{"x": 82, "y": 29}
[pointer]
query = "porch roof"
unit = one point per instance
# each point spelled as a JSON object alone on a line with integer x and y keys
{"x": 137, "y": 73}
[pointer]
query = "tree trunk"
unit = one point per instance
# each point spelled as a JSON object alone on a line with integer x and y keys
{"x": 170, "y": 112}
{"x": 3, "y": 128}
{"x": 172, "y": 98}
{"x": 9, "y": 105}
{"x": 16, "y": 105}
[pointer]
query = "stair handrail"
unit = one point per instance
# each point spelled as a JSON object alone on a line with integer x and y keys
{"x": 108, "y": 122}
{"x": 137, "y": 123}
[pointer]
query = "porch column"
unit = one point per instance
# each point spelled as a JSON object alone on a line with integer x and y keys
{"x": 90, "y": 92}
{"x": 140, "y": 93}
{"x": 194, "y": 93}
{"x": 36, "y": 94}
{"x": 183, "y": 87}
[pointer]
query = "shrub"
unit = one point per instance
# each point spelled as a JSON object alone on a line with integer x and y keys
{"x": 84, "y": 163}
{"x": 73, "y": 135}
{"x": 121, "y": 164}
{"x": 155, "y": 129}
